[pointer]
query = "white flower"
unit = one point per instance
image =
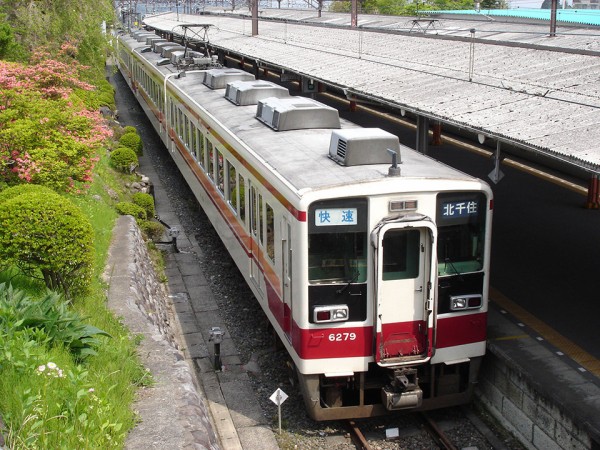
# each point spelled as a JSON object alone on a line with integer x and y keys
{"x": 91, "y": 390}
{"x": 42, "y": 368}
{"x": 51, "y": 366}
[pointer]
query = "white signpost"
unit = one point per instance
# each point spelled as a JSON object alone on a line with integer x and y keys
{"x": 278, "y": 397}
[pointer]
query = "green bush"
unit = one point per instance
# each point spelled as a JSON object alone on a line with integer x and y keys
{"x": 124, "y": 159}
{"x": 129, "y": 129}
{"x": 133, "y": 141}
{"x": 144, "y": 200}
{"x": 151, "y": 229}
{"x": 46, "y": 236}
{"x": 131, "y": 209}
{"x": 24, "y": 188}
{"x": 103, "y": 95}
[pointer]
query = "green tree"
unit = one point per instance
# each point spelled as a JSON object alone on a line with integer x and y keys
{"x": 8, "y": 46}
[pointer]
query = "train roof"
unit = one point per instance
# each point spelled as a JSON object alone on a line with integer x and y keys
{"x": 301, "y": 157}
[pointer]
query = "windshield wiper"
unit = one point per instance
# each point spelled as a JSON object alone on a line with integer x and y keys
{"x": 449, "y": 261}
{"x": 352, "y": 280}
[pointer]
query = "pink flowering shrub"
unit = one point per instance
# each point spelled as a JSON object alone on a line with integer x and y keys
{"x": 47, "y": 135}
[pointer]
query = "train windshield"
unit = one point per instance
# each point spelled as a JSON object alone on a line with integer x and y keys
{"x": 337, "y": 242}
{"x": 461, "y": 232}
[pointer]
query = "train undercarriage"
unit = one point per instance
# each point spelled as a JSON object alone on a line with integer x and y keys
{"x": 381, "y": 391}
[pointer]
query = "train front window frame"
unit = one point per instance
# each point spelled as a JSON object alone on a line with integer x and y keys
{"x": 461, "y": 222}
{"x": 337, "y": 250}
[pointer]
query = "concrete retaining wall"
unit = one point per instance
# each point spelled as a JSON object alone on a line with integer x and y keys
{"x": 535, "y": 419}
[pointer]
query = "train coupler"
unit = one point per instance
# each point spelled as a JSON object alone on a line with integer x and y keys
{"x": 403, "y": 392}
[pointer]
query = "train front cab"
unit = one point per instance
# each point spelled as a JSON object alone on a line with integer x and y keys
{"x": 418, "y": 283}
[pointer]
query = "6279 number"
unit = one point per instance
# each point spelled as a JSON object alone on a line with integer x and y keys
{"x": 341, "y": 337}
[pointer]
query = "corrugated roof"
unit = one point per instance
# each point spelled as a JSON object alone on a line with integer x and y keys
{"x": 539, "y": 98}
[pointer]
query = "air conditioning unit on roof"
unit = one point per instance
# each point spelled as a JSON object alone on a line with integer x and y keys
{"x": 359, "y": 146}
{"x": 243, "y": 93}
{"x": 296, "y": 113}
{"x": 218, "y": 78}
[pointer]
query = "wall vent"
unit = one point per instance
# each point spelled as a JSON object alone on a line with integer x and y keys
{"x": 218, "y": 78}
{"x": 359, "y": 146}
{"x": 244, "y": 93}
{"x": 296, "y": 113}
{"x": 341, "y": 149}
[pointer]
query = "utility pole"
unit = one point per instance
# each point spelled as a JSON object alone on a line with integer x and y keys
{"x": 254, "y": 17}
{"x": 553, "y": 8}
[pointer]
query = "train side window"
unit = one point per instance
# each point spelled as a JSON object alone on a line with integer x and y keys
{"x": 202, "y": 154}
{"x": 261, "y": 221}
{"x": 220, "y": 172}
{"x": 186, "y": 127}
{"x": 194, "y": 149}
{"x": 211, "y": 159}
{"x": 172, "y": 118}
{"x": 253, "y": 211}
{"x": 270, "y": 232}
{"x": 179, "y": 122}
{"x": 231, "y": 188}
{"x": 242, "y": 198}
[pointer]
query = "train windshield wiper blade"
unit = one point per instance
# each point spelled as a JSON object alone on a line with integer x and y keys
{"x": 452, "y": 266}
{"x": 350, "y": 281}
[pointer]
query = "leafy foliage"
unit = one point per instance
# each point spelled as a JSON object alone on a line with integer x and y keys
{"x": 19, "y": 189}
{"x": 53, "y": 22}
{"x": 8, "y": 46}
{"x": 133, "y": 141}
{"x": 50, "y": 318}
{"x": 131, "y": 209}
{"x": 124, "y": 159}
{"x": 47, "y": 134}
{"x": 46, "y": 235}
{"x": 152, "y": 230}
{"x": 144, "y": 200}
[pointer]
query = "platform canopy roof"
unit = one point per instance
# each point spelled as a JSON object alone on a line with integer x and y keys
{"x": 510, "y": 82}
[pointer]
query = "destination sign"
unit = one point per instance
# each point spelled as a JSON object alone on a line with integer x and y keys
{"x": 458, "y": 209}
{"x": 336, "y": 216}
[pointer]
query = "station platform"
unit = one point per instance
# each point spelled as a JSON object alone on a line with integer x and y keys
{"x": 542, "y": 387}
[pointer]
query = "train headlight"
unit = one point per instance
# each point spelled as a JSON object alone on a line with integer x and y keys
{"x": 462, "y": 302}
{"x": 331, "y": 313}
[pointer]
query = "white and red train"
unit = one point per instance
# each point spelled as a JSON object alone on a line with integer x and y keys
{"x": 375, "y": 275}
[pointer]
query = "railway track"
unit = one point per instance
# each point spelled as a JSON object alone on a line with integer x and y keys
{"x": 430, "y": 425}
{"x": 436, "y": 432}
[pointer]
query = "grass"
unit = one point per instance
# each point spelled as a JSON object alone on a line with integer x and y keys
{"x": 51, "y": 399}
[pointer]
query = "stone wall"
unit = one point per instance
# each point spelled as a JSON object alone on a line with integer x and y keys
{"x": 148, "y": 293}
{"x": 537, "y": 421}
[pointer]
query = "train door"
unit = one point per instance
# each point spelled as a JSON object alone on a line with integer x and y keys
{"x": 286, "y": 276}
{"x": 404, "y": 255}
{"x": 255, "y": 234}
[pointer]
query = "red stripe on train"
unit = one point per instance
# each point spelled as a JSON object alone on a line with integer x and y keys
{"x": 353, "y": 342}
{"x": 461, "y": 329}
